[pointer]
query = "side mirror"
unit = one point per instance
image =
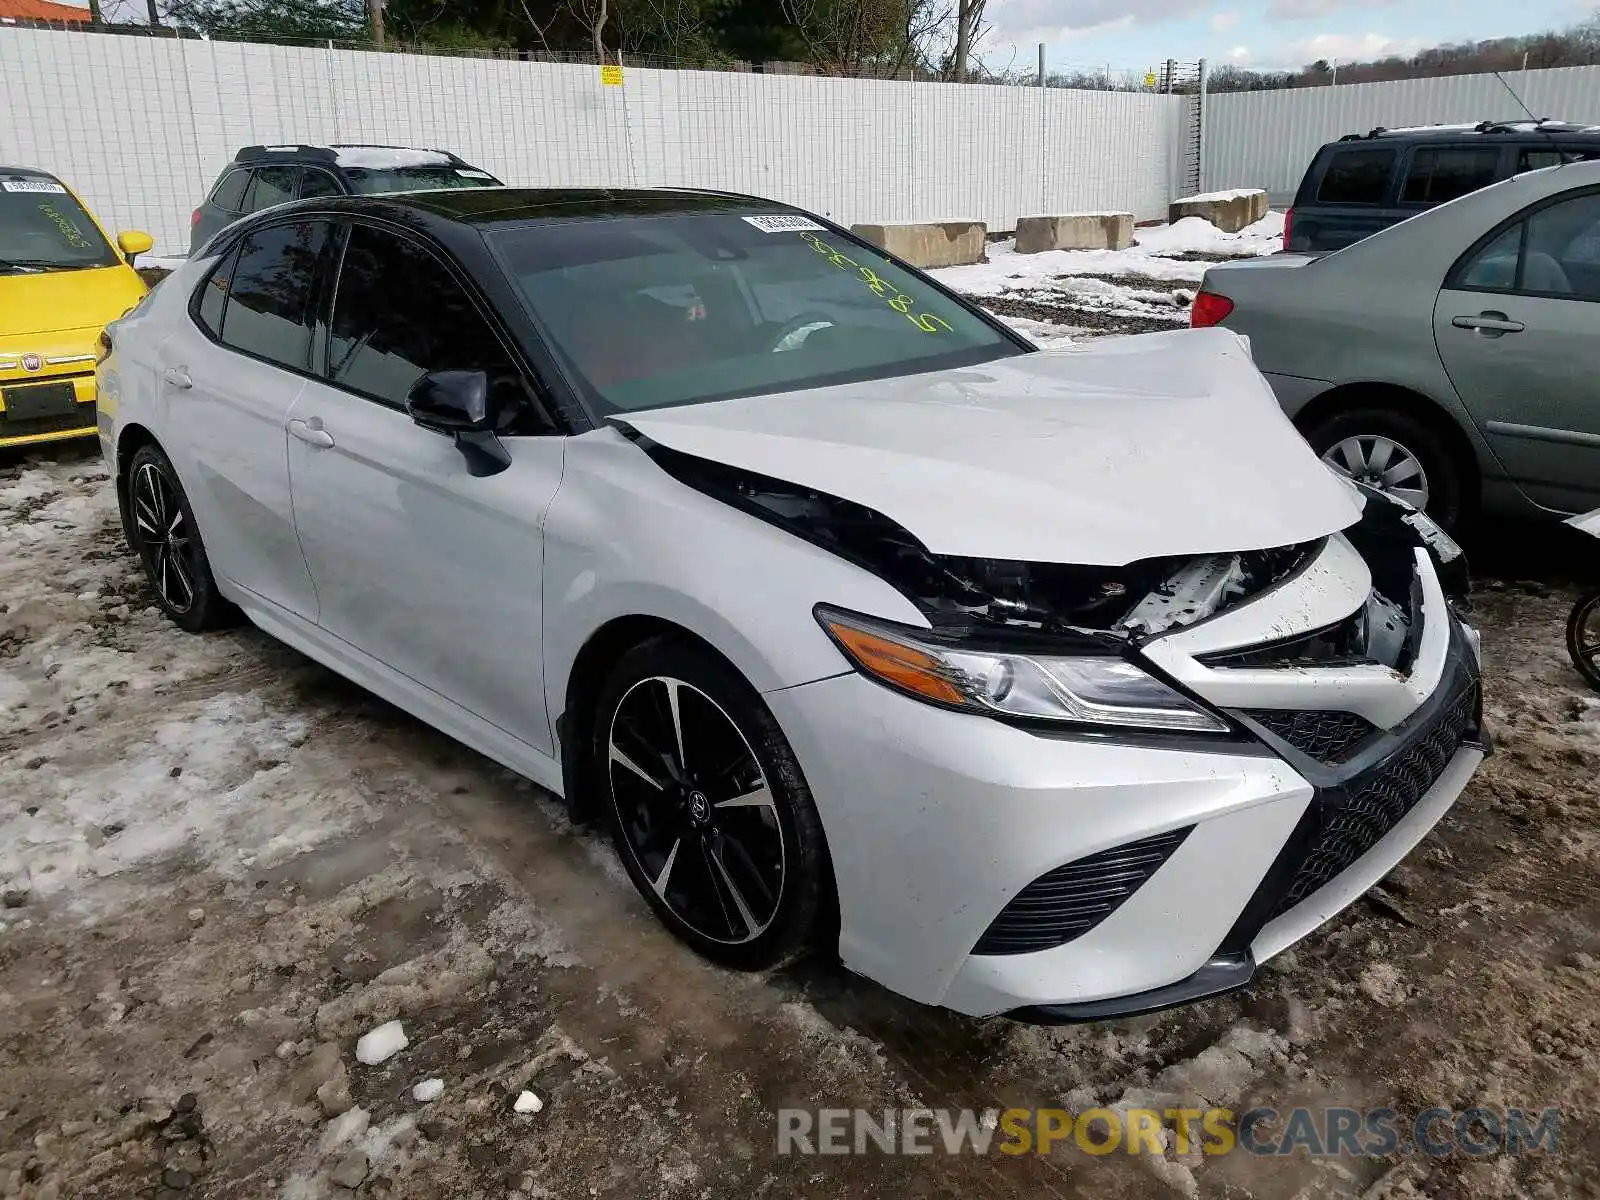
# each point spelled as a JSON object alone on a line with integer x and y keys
{"x": 456, "y": 403}
{"x": 134, "y": 242}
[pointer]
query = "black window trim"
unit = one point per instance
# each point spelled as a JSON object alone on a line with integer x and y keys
{"x": 230, "y": 253}
{"x": 1504, "y": 163}
{"x": 537, "y": 389}
{"x": 1452, "y": 279}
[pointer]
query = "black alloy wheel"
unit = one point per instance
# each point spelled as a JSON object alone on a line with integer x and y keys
{"x": 707, "y": 807}
{"x": 165, "y": 537}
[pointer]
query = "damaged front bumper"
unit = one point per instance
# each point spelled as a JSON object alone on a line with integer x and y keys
{"x": 1066, "y": 875}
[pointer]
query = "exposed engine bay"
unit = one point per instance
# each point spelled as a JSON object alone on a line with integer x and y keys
{"x": 1129, "y": 603}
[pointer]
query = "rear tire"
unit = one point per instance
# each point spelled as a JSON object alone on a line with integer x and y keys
{"x": 163, "y": 533}
{"x": 1444, "y": 475}
{"x": 708, "y": 809}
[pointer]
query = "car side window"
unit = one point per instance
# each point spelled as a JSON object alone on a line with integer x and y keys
{"x": 316, "y": 182}
{"x": 230, "y": 189}
{"x": 1555, "y": 251}
{"x": 1357, "y": 177}
{"x": 1446, "y": 172}
{"x": 214, "y": 294}
{"x": 1495, "y": 266}
{"x": 398, "y": 314}
{"x": 1535, "y": 158}
{"x": 271, "y": 293}
{"x": 272, "y": 185}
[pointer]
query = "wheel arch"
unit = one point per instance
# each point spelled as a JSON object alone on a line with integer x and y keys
{"x": 1349, "y": 397}
{"x": 598, "y": 654}
{"x": 130, "y": 440}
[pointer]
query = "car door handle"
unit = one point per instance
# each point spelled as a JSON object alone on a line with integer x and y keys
{"x": 1488, "y": 322}
{"x": 178, "y": 377}
{"x": 311, "y": 432}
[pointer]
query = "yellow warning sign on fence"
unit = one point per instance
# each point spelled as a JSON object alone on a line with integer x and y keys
{"x": 611, "y": 75}
{"x": 1150, "y": 80}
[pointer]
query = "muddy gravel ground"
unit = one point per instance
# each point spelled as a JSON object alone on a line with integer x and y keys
{"x": 220, "y": 865}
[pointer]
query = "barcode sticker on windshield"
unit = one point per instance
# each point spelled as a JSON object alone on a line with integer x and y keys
{"x": 473, "y": 174}
{"x": 783, "y": 223}
{"x": 33, "y": 185}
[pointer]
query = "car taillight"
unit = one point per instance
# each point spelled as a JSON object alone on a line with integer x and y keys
{"x": 102, "y": 347}
{"x": 194, "y": 218}
{"x": 1209, "y": 309}
{"x": 1288, "y": 222}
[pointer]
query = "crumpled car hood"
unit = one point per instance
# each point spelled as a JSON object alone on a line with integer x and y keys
{"x": 1163, "y": 444}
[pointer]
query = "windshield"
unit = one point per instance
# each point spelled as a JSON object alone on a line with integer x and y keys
{"x": 661, "y": 310}
{"x": 42, "y": 228}
{"x": 371, "y": 180}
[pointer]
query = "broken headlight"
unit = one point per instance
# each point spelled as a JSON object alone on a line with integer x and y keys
{"x": 1095, "y": 690}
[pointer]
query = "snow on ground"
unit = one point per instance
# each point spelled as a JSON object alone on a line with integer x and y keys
{"x": 220, "y": 866}
{"x": 1076, "y": 293}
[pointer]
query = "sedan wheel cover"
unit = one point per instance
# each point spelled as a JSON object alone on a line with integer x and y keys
{"x": 1382, "y": 463}
{"x": 165, "y": 542}
{"x": 695, "y": 810}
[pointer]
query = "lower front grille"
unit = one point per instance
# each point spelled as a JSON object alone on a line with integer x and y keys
{"x": 1071, "y": 900}
{"x": 1327, "y": 736}
{"x": 1359, "y": 814}
{"x": 84, "y": 419}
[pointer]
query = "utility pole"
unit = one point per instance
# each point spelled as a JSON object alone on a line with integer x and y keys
{"x": 375, "y": 17}
{"x": 1041, "y": 64}
{"x": 150, "y": 7}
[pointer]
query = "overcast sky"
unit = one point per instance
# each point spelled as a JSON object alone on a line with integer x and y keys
{"x": 1261, "y": 33}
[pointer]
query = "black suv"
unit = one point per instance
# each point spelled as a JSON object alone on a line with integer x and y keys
{"x": 261, "y": 176}
{"x": 1365, "y": 182}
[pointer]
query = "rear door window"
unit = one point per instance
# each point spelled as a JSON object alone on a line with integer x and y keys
{"x": 317, "y": 182}
{"x": 1357, "y": 177}
{"x": 272, "y": 185}
{"x": 1443, "y": 173}
{"x": 271, "y": 293}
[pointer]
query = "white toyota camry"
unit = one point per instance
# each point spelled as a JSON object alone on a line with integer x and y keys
{"x": 1063, "y": 683}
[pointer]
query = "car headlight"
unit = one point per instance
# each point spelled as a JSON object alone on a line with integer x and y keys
{"x": 1096, "y": 690}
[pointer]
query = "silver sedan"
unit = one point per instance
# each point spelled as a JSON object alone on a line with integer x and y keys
{"x": 1453, "y": 359}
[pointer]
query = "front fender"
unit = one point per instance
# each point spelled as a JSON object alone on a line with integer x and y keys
{"x": 625, "y": 539}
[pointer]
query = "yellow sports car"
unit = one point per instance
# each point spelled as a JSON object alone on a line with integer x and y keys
{"x": 61, "y": 282}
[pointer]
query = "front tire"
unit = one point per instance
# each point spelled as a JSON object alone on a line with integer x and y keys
{"x": 708, "y": 809}
{"x": 163, "y": 533}
{"x": 1395, "y": 452}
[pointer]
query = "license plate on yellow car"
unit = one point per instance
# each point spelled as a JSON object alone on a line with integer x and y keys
{"x": 38, "y": 400}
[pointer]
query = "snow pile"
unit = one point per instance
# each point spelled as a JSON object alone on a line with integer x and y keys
{"x": 1149, "y": 256}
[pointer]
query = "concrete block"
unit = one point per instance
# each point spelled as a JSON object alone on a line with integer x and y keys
{"x": 930, "y": 243}
{"x": 1228, "y": 211}
{"x": 1075, "y": 231}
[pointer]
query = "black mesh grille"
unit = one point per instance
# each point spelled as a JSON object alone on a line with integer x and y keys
{"x": 1374, "y": 804}
{"x": 1325, "y": 736}
{"x": 1069, "y": 901}
{"x": 83, "y": 419}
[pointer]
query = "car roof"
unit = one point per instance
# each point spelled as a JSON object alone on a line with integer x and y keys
{"x": 27, "y": 173}
{"x": 1525, "y": 129}
{"x": 496, "y": 206}
{"x": 276, "y": 152}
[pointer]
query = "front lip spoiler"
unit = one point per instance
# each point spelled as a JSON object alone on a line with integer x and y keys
{"x": 1224, "y": 974}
